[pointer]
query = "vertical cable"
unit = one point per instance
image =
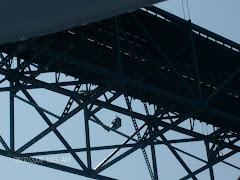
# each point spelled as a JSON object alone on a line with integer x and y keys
{"x": 183, "y": 10}
{"x": 188, "y": 10}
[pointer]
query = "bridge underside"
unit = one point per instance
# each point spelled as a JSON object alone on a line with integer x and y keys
{"x": 185, "y": 72}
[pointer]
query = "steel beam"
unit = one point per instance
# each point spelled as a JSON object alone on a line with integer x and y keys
{"x": 59, "y": 122}
{"x": 154, "y": 157}
{"x": 125, "y": 80}
{"x": 195, "y": 62}
{"x": 162, "y": 54}
{"x": 119, "y": 146}
{"x": 178, "y": 157}
{"x": 164, "y": 124}
{"x": 211, "y": 164}
{"x": 12, "y": 129}
{"x": 58, "y": 134}
{"x": 210, "y": 159}
{"x": 87, "y": 136}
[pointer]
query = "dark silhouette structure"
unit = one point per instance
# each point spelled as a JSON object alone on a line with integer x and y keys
{"x": 186, "y": 72}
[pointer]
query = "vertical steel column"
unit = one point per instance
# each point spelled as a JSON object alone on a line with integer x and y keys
{"x": 195, "y": 60}
{"x": 209, "y": 154}
{"x": 87, "y": 134}
{"x": 12, "y": 92}
{"x": 154, "y": 160}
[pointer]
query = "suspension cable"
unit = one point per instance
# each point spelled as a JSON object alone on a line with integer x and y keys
{"x": 183, "y": 10}
{"x": 188, "y": 10}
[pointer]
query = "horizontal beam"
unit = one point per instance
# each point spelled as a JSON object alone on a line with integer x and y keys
{"x": 164, "y": 124}
{"x": 107, "y": 147}
{"x": 34, "y": 81}
{"x": 37, "y": 86}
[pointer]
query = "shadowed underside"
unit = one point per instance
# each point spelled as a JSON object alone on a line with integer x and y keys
{"x": 34, "y": 18}
{"x": 160, "y": 71}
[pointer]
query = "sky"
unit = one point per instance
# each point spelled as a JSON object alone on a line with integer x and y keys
{"x": 219, "y": 16}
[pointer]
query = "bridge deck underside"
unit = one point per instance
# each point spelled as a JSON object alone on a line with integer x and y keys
{"x": 161, "y": 63}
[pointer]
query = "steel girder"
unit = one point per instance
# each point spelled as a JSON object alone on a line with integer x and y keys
{"x": 151, "y": 126}
{"x": 100, "y": 92}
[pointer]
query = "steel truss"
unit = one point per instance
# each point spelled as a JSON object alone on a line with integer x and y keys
{"x": 93, "y": 96}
